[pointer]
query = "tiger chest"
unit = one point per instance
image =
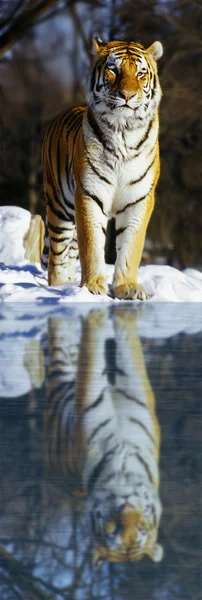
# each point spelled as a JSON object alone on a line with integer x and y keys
{"x": 134, "y": 180}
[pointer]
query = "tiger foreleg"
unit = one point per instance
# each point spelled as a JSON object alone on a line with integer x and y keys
{"x": 91, "y": 231}
{"x": 131, "y": 226}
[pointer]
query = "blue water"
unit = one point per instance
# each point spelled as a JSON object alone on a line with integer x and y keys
{"x": 56, "y": 367}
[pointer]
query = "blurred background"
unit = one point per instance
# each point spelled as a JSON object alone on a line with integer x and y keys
{"x": 45, "y": 57}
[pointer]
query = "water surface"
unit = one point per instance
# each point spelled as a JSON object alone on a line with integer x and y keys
{"x": 100, "y": 452}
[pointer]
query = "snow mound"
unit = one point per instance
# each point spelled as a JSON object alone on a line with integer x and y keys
{"x": 22, "y": 281}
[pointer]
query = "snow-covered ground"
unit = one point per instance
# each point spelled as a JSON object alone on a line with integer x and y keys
{"x": 21, "y": 281}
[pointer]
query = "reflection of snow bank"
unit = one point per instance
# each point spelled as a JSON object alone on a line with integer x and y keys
{"x": 23, "y": 282}
{"x": 23, "y": 325}
{"x": 166, "y": 319}
{"x": 14, "y": 376}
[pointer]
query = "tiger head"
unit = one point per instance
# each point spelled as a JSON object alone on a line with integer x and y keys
{"x": 124, "y": 78}
{"x": 126, "y": 529}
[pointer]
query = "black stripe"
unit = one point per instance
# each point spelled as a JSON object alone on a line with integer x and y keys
{"x": 63, "y": 202}
{"x": 146, "y": 466}
{"x": 152, "y": 149}
{"x": 120, "y": 371}
{"x": 132, "y": 398}
{"x": 98, "y": 84}
{"x": 94, "y": 404}
{"x": 61, "y": 264}
{"x": 145, "y": 136}
{"x": 56, "y": 229}
{"x": 96, "y": 98}
{"x": 108, "y": 438}
{"x": 62, "y": 351}
{"x": 67, "y": 171}
{"x": 95, "y": 431}
{"x": 71, "y": 120}
{"x": 144, "y": 174}
{"x": 133, "y": 420}
{"x": 131, "y": 204}
{"x": 59, "y": 240}
{"x": 154, "y": 86}
{"x": 62, "y": 394}
{"x": 99, "y": 468}
{"x": 109, "y": 476}
{"x": 142, "y": 141}
{"x": 58, "y": 213}
{"x": 77, "y": 129}
{"x": 97, "y": 131}
{"x": 57, "y": 253}
{"x": 49, "y": 144}
{"x": 93, "y": 196}
{"x": 108, "y": 124}
{"x": 95, "y": 170}
{"x": 60, "y": 362}
{"x": 58, "y": 167}
{"x": 119, "y": 231}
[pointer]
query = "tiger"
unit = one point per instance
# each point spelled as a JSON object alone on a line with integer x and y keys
{"x": 102, "y": 436}
{"x": 101, "y": 161}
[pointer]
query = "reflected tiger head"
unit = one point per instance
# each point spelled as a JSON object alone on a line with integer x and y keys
{"x": 126, "y": 529}
{"x": 125, "y": 76}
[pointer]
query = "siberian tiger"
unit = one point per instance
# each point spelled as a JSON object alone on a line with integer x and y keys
{"x": 102, "y": 435}
{"x": 102, "y": 160}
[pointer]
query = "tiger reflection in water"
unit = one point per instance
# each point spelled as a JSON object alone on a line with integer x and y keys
{"x": 102, "y": 433}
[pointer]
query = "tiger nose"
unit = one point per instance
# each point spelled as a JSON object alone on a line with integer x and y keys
{"x": 127, "y": 94}
{"x": 128, "y": 515}
{"x": 127, "y": 508}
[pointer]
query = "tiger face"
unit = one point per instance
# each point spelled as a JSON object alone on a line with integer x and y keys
{"x": 125, "y": 527}
{"x": 125, "y": 77}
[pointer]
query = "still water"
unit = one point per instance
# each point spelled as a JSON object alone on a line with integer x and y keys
{"x": 101, "y": 452}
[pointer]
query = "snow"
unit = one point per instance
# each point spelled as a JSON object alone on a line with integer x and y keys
{"x": 21, "y": 281}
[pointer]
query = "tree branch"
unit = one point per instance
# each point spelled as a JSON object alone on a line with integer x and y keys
{"x": 19, "y": 573}
{"x": 21, "y": 23}
{"x": 80, "y": 30}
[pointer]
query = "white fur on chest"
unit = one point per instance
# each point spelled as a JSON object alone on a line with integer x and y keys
{"x": 127, "y": 166}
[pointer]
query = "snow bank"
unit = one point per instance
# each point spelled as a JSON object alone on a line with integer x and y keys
{"x": 21, "y": 281}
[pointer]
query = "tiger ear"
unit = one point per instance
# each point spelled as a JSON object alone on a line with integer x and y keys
{"x": 156, "y": 553}
{"x": 156, "y": 50}
{"x": 98, "y": 45}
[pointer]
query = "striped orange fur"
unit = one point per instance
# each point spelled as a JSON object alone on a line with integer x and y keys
{"x": 102, "y": 160}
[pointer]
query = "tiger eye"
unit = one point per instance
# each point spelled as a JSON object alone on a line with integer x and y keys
{"x": 111, "y": 72}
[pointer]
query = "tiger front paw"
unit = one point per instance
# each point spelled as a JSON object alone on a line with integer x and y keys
{"x": 130, "y": 291}
{"x": 96, "y": 319}
{"x": 98, "y": 285}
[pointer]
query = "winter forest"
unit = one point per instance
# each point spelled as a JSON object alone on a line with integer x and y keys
{"x": 45, "y": 56}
